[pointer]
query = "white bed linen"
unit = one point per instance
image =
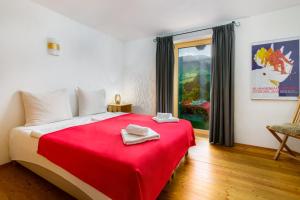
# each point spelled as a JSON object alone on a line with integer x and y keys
{"x": 23, "y": 147}
{"x": 38, "y": 131}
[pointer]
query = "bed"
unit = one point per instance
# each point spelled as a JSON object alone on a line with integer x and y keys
{"x": 85, "y": 156}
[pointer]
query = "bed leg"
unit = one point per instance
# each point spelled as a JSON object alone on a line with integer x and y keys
{"x": 186, "y": 154}
{"x": 173, "y": 175}
{"x": 171, "y": 178}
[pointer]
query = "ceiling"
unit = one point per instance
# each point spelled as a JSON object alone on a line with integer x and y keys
{"x": 132, "y": 19}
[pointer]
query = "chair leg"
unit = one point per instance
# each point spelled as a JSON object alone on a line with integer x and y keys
{"x": 280, "y": 140}
{"x": 282, "y": 145}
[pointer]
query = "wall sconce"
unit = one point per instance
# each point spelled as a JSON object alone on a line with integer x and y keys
{"x": 53, "y": 47}
{"x": 118, "y": 99}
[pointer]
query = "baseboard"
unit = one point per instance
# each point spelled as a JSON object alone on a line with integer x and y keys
{"x": 5, "y": 164}
{"x": 205, "y": 134}
{"x": 264, "y": 148}
{"x": 201, "y": 133}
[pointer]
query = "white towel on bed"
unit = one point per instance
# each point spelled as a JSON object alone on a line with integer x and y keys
{"x": 130, "y": 139}
{"x": 165, "y": 117}
{"x": 172, "y": 119}
{"x": 136, "y": 130}
{"x": 160, "y": 115}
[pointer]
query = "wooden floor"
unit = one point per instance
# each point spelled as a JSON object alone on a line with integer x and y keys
{"x": 209, "y": 172}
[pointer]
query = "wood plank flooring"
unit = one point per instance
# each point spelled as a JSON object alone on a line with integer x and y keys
{"x": 18, "y": 183}
{"x": 209, "y": 172}
{"x": 242, "y": 172}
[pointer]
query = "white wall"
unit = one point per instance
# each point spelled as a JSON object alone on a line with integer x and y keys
{"x": 88, "y": 59}
{"x": 139, "y": 75}
{"x": 251, "y": 116}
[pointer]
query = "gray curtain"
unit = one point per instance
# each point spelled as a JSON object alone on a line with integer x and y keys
{"x": 222, "y": 86}
{"x": 164, "y": 74}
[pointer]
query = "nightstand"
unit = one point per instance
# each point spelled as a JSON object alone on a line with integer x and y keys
{"x": 119, "y": 108}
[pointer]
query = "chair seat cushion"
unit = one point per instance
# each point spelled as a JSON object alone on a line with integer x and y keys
{"x": 287, "y": 129}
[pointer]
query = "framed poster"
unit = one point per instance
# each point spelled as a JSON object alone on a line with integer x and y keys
{"x": 275, "y": 69}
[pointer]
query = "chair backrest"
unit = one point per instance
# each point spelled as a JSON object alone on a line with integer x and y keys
{"x": 296, "y": 118}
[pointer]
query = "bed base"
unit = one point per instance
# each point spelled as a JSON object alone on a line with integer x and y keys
{"x": 65, "y": 185}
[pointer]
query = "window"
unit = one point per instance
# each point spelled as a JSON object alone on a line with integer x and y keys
{"x": 192, "y": 82}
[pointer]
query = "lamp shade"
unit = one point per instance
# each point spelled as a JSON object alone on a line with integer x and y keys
{"x": 53, "y": 47}
{"x": 118, "y": 99}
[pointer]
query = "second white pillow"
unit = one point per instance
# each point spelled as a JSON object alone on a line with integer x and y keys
{"x": 91, "y": 102}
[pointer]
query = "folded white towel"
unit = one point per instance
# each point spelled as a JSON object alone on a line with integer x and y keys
{"x": 136, "y": 130}
{"x": 130, "y": 139}
{"x": 164, "y": 115}
{"x": 172, "y": 119}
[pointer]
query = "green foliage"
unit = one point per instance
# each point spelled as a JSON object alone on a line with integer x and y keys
{"x": 194, "y": 89}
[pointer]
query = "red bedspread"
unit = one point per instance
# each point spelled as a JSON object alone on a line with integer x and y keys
{"x": 96, "y": 154}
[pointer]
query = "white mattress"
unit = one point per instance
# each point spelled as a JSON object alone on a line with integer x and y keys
{"x": 23, "y": 147}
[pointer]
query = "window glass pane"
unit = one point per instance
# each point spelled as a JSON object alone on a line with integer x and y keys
{"x": 194, "y": 73}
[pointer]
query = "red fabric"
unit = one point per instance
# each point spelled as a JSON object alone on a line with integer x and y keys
{"x": 96, "y": 154}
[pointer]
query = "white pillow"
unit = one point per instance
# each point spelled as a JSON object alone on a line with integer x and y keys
{"x": 46, "y": 108}
{"x": 91, "y": 102}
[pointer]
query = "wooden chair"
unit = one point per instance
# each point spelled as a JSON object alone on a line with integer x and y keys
{"x": 288, "y": 130}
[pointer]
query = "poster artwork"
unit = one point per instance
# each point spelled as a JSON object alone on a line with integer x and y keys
{"x": 275, "y": 70}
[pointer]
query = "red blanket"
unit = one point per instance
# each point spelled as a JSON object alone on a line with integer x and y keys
{"x": 95, "y": 153}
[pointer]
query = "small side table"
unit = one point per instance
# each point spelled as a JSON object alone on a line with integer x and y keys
{"x": 119, "y": 108}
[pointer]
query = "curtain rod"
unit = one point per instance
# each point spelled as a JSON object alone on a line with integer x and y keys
{"x": 203, "y": 29}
